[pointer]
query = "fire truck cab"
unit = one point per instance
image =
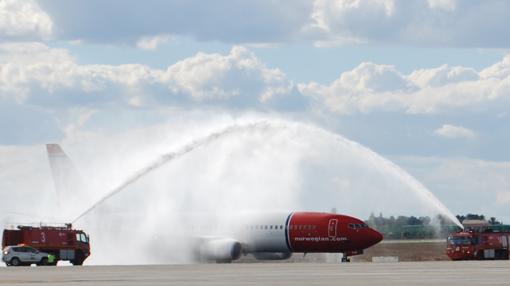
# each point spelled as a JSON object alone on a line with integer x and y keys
{"x": 63, "y": 242}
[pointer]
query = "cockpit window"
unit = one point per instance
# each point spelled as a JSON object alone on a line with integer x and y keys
{"x": 357, "y": 225}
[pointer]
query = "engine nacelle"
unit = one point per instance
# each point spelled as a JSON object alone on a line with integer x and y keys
{"x": 272, "y": 255}
{"x": 219, "y": 250}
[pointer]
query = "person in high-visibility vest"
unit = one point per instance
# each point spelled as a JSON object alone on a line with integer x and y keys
{"x": 51, "y": 259}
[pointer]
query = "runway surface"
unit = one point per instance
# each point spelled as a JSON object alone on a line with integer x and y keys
{"x": 402, "y": 273}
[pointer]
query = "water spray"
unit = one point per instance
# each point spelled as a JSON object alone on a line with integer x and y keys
{"x": 420, "y": 190}
{"x": 162, "y": 160}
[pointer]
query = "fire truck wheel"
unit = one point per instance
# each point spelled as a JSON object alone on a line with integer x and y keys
{"x": 78, "y": 260}
{"x": 15, "y": 261}
{"x": 43, "y": 262}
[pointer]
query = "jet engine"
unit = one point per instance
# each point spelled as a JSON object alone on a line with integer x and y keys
{"x": 219, "y": 249}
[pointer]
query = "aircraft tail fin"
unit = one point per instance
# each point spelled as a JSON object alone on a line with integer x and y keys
{"x": 69, "y": 185}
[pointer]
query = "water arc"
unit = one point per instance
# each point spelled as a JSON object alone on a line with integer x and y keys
{"x": 419, "y": 189}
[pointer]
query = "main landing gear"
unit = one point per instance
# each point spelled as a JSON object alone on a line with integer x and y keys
{"x": 345, "y": 258}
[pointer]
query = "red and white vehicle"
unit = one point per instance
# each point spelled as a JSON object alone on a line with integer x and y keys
{"x": 275, "y": 236}
{"x": 63, "y": 242}
{"x": 268, "y": 236}
{"x": 478, "y": 245}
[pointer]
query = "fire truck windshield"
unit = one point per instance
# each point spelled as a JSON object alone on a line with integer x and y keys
{"x": 82, "y": 237}
{"x": 459, "y": 240}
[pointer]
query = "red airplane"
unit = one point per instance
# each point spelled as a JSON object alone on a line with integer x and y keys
{"x": 268, "y": 236}
{"x": 275, "y": 236}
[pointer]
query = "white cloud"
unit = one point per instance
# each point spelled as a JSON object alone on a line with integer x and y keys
{"x": 32, "y": 71}
{"x": 27, "y": 53}
{"x": 372, "y": 77}
{"x": 362, "y": 89}
{"x": 23, "y": 64}
{"x": 207, "y": 76}
{"x": 37, "y": 73}
{"x": 424, "y": 22}
{"x": 442, "y": 75}
{"x": 152, "y": 43}
{"x": 23, "y": 19}
{"x": 452, "y": 131}
{"x": 370, "y": 87}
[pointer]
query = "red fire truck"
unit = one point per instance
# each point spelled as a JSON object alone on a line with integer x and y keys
{"x": 479, "y": 244}
{"x": 63, "y": 242}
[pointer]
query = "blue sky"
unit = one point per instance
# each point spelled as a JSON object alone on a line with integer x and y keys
{"x": 423, "y": 83}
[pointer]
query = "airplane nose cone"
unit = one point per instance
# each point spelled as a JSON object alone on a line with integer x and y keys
{"x": 375, "y": 237}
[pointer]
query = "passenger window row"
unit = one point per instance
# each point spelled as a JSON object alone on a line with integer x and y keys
{"x": 303, "y": 227}
{"x": 277, "y": 227}
{"x": 265, "y": 227}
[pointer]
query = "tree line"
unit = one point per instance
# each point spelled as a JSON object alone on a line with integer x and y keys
{"x": 423, "y": 227}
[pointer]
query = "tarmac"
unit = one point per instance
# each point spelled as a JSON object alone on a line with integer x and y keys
{"x": 399, "y": 273}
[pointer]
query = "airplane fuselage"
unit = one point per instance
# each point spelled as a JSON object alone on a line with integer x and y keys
{"x": 285, "y": 233}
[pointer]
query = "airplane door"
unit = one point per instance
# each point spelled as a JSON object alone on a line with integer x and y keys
{"x": 332, "y": 227}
